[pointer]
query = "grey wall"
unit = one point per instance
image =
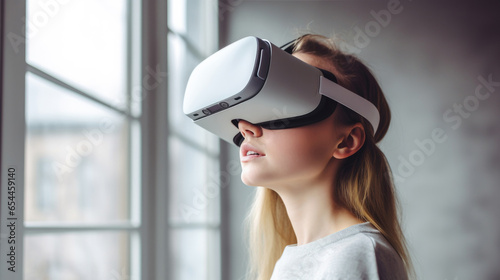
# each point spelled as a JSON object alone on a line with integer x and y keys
{"x": 428, "y": 58}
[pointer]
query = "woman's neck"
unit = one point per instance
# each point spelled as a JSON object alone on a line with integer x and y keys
{"x": 313, "y": 212}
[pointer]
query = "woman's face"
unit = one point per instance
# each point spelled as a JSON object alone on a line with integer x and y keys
{"x": 294, "y": 156}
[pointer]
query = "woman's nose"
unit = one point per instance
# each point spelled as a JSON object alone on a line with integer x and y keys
{"x": 249, "y": 129}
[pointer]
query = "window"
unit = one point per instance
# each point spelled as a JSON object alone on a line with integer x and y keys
{"x": 194, "y": 204}
{"x": 81, "y": 208}
{"x": 118, "y": 183}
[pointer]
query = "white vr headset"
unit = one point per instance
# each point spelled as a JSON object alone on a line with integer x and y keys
{"x": 253, "y": 80}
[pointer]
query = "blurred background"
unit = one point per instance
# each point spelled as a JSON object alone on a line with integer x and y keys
{"x": 119, "y": 184}
{"x": 430, "y": 57}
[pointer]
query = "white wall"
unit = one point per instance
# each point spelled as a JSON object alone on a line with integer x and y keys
{"x": 428, "y": 58}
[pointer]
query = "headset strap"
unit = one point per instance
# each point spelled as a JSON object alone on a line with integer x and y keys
{"x": 288, "y": 47}
{"x": 351, "y": 100}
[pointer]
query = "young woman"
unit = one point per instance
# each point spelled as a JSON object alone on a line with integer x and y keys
{"x": 326, "y": 206}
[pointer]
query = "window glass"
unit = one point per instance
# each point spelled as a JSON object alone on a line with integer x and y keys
{"x": 181, "y": 63}
{"x": 80, "y": 255}
{"x": 194, "y": 20}
{"x": 194, "y": 193}
{"x": 200, "y": 24}
{"x": 82, "y": 43}
{"x": 194, "y": 181}
{"x": 196, "y": 254}
{"x": 82, "y": 198}
{"x": 76, "y": 157}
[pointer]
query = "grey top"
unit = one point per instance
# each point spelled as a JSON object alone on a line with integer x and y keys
{"x": 357, "y": 252}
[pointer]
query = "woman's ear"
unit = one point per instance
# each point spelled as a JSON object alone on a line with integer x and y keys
{"x": 352, "y": 141}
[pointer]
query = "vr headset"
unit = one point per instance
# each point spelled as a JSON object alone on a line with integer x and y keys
{"x": 253, "y": 80}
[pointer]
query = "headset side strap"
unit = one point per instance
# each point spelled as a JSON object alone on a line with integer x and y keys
{"x": 351, "y": 100}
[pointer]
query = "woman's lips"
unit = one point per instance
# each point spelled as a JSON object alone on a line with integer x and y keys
{"x": 249, "y": 152}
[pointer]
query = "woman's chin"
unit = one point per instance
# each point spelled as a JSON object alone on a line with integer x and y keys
{"x": 247, "y": 181}
{"x": 250, "y": 179}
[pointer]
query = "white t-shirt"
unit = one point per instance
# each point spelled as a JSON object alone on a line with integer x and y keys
{"x": 357, "y": 252}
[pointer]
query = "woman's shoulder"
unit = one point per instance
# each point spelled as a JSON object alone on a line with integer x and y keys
{"x": 365, "y": 239}
{"x": 362, "y": 254}
{"x": 357, "y": 252}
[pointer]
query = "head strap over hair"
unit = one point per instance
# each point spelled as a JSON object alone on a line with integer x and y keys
{"x": 353, "y": 101}
{"x": 288, "y": 47}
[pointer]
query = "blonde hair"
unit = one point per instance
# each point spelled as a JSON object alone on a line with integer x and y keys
{"x": 363, "y": 185}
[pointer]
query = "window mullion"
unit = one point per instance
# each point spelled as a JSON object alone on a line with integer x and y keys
{"x": 57, "y": 230}
{"x": 155, "y": 258}
{"x": 41, "y": 226}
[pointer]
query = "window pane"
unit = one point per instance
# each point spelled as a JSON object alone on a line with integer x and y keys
{"x": 76, "y": 157}
{"x": 80, "y": 255}
{"x": 194, "y": 192}
{"x": 194, "y": 181}
{"x": 197, "y": 254}
{"x": 201, "y": 30}
{"x": 196, "y": 21}
{"x": 80, "y": 42}
{"x": 181, "y": 64}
